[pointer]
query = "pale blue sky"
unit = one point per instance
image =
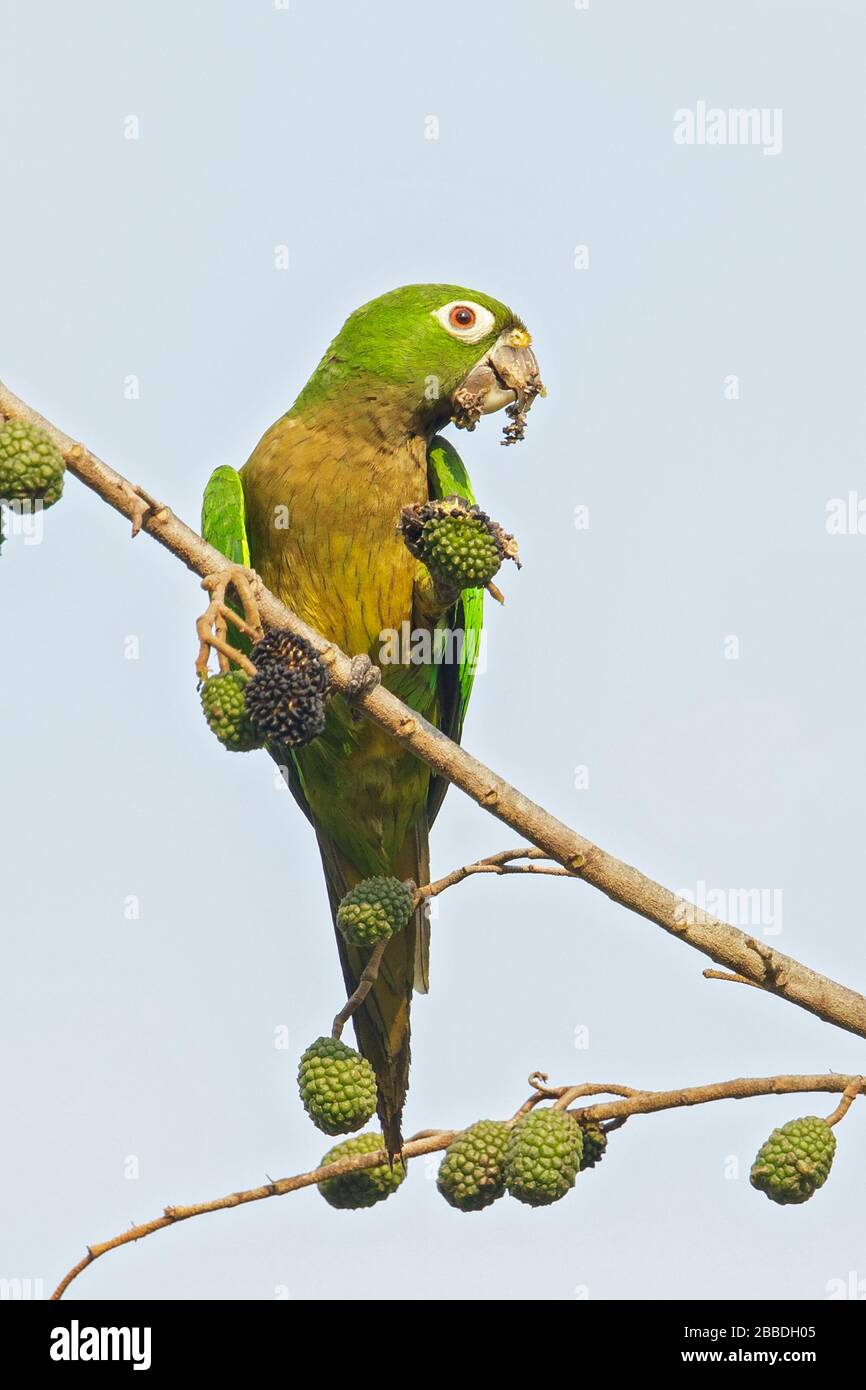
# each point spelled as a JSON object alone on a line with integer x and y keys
{"x": 154, "y": 258}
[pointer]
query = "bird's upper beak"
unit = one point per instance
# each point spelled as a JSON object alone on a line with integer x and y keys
{"x": 507, "y": 376}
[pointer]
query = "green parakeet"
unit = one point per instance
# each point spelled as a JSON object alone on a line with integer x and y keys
{"x": 315, "y": 512}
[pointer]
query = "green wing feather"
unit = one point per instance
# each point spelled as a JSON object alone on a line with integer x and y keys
{"x": 224, "y": 526}
{"x": 447, "y": 477}
{"x": 223, "y": 516}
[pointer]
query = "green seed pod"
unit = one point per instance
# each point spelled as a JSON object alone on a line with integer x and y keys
{"x": 470, "y": 1175}
{"x": 374, "y": 910}
{"x": 543, "y": 1157}
{"x": 365, "y": 1187}
{"x": 224, "y": 705}
{"x": 337, "y": 1086}
{"x": 31, "y": 466}
{"x": 795, "y": 1161}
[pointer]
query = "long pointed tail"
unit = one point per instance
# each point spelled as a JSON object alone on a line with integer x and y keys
{"x": 382, "y": 1022}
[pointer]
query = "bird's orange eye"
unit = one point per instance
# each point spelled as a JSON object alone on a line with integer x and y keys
{"x": 465, "y": 320}
{"x": 462, "y": 316}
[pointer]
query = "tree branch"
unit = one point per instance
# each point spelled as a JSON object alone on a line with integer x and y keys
{"x": 432, "y": 1141}
{"x": 369, "y": 976}
{"x": 742, "y": 955}
{"x": 500, "y": 863}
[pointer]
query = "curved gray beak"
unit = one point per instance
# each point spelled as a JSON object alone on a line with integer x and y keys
{"x": 507, "y": 376}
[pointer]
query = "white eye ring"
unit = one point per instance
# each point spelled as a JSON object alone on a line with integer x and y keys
{"x": 482, "y": 325}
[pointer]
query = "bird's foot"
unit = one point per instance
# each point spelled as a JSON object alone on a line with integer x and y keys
{"x": 459, "y": 544}
{"x": 213, "y": 625}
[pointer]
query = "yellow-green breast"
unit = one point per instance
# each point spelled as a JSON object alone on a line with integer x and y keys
{"x": 323, "y": 507}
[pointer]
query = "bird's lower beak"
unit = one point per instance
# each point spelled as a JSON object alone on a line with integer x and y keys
{"x": 506, "y": 376}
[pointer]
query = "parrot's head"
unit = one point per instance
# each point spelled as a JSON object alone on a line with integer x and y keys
{"x": 434, "y": 353}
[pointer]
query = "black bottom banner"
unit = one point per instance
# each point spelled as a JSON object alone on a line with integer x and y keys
{"x": 155, "y": 1338}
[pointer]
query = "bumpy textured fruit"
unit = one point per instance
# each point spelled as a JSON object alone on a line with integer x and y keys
{"x": 374, "y": 910}
{"x": 795, "y": 1161}
{"x": 286, "y": 696}
{"x": 594, "y": 1144}
{"x": 31, "y": 467}
{"x": 224, "y": 705}
{"x": 461, "y": 551}
{"x": 279, "y": 713}
{"x": 470, "y": 1175}
{"x": 457, "y": 542}
{"x": 337, "y": 1086}
{"x": 296, "y": 656}
{"x": 367, "y": 1186}
{"x": 543, "y": 1157}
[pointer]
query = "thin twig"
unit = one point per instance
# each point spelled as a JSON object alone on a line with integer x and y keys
{"x": 369, "y": 975}
{"x": 849, "y": 1095}
{"x": 568, "y": 1094}
{"x": 440, "y": 1139}
{"x": 500, "y": 863}
{"x": 433, "y": 1141}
